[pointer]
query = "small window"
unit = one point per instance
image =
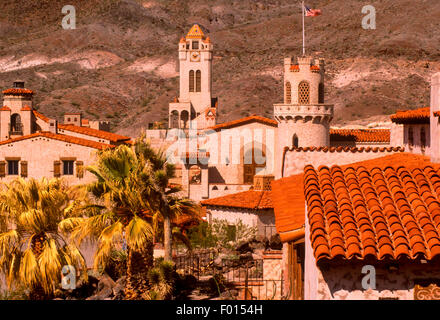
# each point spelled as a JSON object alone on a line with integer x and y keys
{"x": 195, "y": 45}
{"x": 13, "y": 167}
{"x": 68, "y": 167}
{"x": 68, "y": 119}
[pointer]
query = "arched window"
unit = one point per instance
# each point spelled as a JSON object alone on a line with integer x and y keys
{"x": 295, "y": 141}
{"x": 198, "y": 81}
{"x": 184, "y": 117}
{"x": 288, "y": 93}
{"x": 16, "y": 125}
{"x": 321, "y": 93}
{"x": 422, "y": 139}
{"x": 410, "y": 137}
{"x": 191, "y": 81}
{"x": 304, "y": 92}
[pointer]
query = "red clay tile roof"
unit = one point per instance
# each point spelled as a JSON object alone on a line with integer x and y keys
{"x": 288, "y": 193}
{"x": 84, "y": 121}
{"x": 420, "y": 115}
{"x": 18, "y": 91}
{"x": 289, "y": 205}
{"x": 40, "y": 116}
{"x": 26, "y": 108}
{"x": 113, "y": 137}
{"x": 383, "y": 213}
{"x": 61, "y": 137}
{"x": 251, "y": 199}
{"x": 360, "y": 135}
{"x": 5, "y": 108}
{"x": 195, "y": 33}
{"x": 437, "y": 114}
{"x": 242, "y": 121}
{"x": 347, "y": 149}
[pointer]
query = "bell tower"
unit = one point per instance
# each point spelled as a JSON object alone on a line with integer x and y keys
{"x": 195, "y": 97}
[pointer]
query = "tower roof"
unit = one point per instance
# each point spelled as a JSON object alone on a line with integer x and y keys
{"x": 195, "y": 33}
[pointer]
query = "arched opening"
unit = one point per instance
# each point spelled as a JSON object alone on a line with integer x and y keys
{"x": 321, "y": 93}
{"x": 184, "y": 117}
{"x": 174, "y": 119}
{"x": 288, "y": 93}
{"x": 410, "y": 138}
{"x": 422, "y": 139}
{"x": 304, "y": 92}
{"x": 16, "y": 125}
{"x": 254, "y": 160}
{"x": 191, "y": 81}
{"x": 295, "y": 141}
{"x": 198, "y": 81}
{"x": 195, "y": 175}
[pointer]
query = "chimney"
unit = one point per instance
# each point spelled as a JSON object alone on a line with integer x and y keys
{"x": 53, "y": 126}
{"x": 262, "y": 182}
{"x": 434, "y": 118}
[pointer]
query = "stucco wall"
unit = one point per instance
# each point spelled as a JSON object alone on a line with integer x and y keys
{"x": 40, "y": 154}
{"x": 252, "y": 218}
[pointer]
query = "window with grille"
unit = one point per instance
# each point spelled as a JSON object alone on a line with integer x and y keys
{"x": 12, "y": 167}
{"x": 191, "y": 81}
{"x": 288, "y": 93}
{"x": 321, "y": 93}
{"x": 195, "y": 45}
{"x": 198, "y": 81}
{"x": 304, "y": 93}
{"x": 422, "y": 139}
{"x": 68, "y": 167}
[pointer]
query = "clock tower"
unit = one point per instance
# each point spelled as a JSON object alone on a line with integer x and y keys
{"x": 190, "y": 109}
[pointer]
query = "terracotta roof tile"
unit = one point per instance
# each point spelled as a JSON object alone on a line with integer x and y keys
{"x": 288, "y": 194}
{"x": 384, "y": 212}
{"x": 420, "y": 115}
{"x": 61, "y": 137}
{"x": 195, "y": 33}
{"x": 113, "y": 137}
{"x": 5, "y": 108}
{"x": 18, "y": 91}
{"x": 246, "y": 120}
{"x": 361, "y": 135}
{"x": 250, "y": 199}
{"x": 26, "y": 108}
{"x": 40, "y": 116}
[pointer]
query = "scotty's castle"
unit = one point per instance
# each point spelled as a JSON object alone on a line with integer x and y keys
{"x": 248, "y": 153}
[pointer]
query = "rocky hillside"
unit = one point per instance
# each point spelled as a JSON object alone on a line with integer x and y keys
{"x": 120, "y": 62}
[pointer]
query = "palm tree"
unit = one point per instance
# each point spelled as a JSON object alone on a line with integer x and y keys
{"x": 121, "y": 194}
{"x": 32, "y": 248}
{"x": 163, "y": 199}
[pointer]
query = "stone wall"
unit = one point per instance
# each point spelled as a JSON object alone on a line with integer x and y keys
{"x": 251, "y": 218}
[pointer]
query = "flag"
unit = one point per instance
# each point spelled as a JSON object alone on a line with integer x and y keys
{"x": 312, "y": 12}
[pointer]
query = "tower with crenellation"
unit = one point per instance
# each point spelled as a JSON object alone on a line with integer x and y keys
{"x": 304, "y": 117}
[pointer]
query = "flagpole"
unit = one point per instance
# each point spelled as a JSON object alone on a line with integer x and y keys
{"x": 304, "y": 34}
